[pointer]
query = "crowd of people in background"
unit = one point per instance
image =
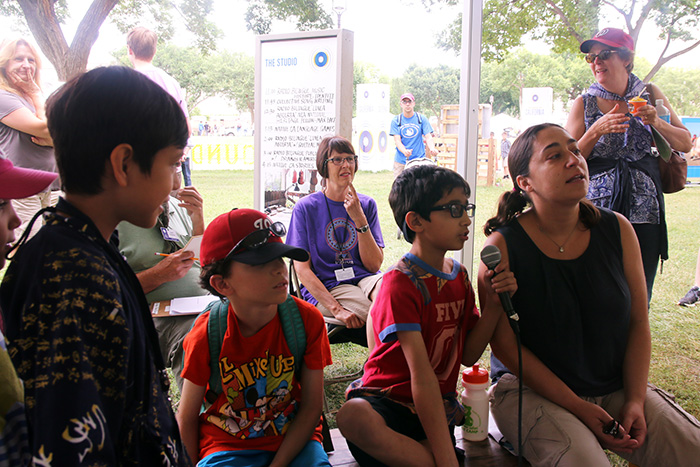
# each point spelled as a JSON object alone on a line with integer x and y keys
{"x": 90, "y": 182}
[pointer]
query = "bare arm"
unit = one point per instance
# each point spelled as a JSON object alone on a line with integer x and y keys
{"x": 171, "y": 268}
{"x": 490, "y": 286}
{"x": 402, "y": 149}
{"x": 371, "y": 254}
{"x": 193, "y": 202}
{"x": 614, "y": 121}
{"x": 306, "y": 419}
{"x": 427, "y": 398}
{"x": 25, "y": 121}
{"x": 314, "y": 285}
{"x": 188, "y": 417}
{"x": 638, "y": 352}
{"x": 431, "y": 144}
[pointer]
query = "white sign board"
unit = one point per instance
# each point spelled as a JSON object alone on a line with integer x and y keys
{"x": 373, "y": 144}
{"x": 298, "y": 100}
{"x": 536, "y": 106}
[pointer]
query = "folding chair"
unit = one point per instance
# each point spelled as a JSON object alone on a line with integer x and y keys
{"x": 335, "y": 328}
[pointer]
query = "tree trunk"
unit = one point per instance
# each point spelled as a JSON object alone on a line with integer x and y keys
{"x": 42, "y": 22}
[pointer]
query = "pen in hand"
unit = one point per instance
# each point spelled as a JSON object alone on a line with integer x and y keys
{"x": 166, "y": 254}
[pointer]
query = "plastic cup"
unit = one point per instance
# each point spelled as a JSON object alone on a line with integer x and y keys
{"x": 636, "y": 103}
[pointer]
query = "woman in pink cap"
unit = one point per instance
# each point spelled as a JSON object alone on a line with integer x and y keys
{"x": 15, "y": 183}
{"x": 617, "y": 144}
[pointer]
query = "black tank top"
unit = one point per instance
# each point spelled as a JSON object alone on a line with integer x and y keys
{"x": 574, "y": 314}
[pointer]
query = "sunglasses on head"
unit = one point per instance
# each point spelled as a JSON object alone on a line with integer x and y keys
{"x": 258, "y": 238}
{"x": 604, "y": 55}
{"x": 456, "y": 209}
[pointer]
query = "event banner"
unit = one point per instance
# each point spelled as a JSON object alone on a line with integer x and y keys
{"x": 299, "y": 100}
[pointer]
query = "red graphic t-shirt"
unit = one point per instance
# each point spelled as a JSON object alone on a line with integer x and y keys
{"x": 416, "y": 297}
{"x": 261, "y": 392}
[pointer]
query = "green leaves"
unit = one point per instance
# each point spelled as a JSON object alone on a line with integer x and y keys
{"x": 308, "y": 15}
{"x": 564, "y": 24}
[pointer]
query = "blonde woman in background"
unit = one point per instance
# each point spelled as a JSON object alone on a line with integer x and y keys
{"x": 24, "y": 136}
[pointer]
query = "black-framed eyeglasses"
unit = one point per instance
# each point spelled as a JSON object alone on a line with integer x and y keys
{"x": 352, "y": 160}
{"x": 456, "y": 209}
{"x": 258, "y": 238}
{"x": 603, "y": 55}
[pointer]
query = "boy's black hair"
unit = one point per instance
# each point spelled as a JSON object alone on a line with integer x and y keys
{"x": 418, "y": 189}
{"x": 97, "y": 111}
{"x": 221, "y": 267}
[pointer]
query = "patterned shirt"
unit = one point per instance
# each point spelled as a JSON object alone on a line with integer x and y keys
{"x": 626, "y": 150}
{"x": 81, "y": 338}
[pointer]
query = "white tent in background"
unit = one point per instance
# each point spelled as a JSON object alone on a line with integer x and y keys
{"x": 502, "y": 122}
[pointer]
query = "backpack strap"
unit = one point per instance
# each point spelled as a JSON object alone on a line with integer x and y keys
{"x": 292, "y": 327}
{"x": 216, "y": 328}
{"x": 294, "y": 331}
{"x": 420, "y": 120}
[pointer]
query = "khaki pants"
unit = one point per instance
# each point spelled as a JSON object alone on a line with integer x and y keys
{"x": 553, "y": 436}
{"x": 398, "y": 168}
{"x": 354, "y": 298}
{"x": 27, "y": 207}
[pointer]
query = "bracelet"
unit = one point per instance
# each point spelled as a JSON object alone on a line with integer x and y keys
{"x": 363, "y": 229}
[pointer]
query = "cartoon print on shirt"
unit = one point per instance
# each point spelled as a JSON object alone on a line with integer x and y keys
{"x": 258, "y": 397}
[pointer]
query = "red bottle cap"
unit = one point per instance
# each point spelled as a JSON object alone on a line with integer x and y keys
{"x": 475, "y": 375}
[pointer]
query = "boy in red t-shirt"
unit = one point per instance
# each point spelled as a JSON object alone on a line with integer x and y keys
{"x": 425, "y": 323}
{"x": 270, "y": 409}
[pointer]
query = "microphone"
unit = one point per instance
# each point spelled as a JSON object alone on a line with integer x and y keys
{"x": 491, "y": 257}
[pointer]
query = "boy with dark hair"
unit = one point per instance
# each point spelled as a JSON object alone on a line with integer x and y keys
{"x": 425, "y": 323}
{"x": 80, "y": 333}
{"x": 264, "y": 402}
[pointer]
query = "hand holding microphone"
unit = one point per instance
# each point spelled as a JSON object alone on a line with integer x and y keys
{"x": 491, "y": 257}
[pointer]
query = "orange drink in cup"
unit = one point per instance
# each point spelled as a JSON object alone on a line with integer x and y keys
{"x": 637, "y": 103}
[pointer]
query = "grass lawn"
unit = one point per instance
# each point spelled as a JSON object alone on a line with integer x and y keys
{"x": 675, "y": 330}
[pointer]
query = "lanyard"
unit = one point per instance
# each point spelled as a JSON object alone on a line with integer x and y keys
{"x": 340, "y": 258}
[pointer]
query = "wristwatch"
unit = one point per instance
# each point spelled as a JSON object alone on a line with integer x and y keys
{"x": 363, "y": 229}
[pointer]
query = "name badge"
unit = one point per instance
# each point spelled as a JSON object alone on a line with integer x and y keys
{"x": 169, "y": 234}
{"x": 344, "y": 274}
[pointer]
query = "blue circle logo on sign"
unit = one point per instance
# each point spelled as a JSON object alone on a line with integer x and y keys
{"x": 321, "y": 59}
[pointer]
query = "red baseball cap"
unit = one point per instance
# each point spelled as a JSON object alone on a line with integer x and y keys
{"x": 227, "y": 230}
{"x": 18, "y": 182}
{"x": 407, "y": 95}
{"x": 612, "y": 37}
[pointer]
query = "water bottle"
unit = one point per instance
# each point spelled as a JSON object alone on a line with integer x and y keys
{"x": 475, "y": 400}
{"x": 662, "y": 111}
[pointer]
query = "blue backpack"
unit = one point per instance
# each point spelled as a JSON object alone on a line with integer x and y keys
{"x": 292, "y": 326}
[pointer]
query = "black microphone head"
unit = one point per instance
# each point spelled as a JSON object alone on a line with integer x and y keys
{"x": 491, "y": 256}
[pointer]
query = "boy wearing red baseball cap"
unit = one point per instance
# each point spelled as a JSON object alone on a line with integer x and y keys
{"x": 268, "y": 410}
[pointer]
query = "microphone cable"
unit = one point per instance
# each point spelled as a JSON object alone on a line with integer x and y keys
{"x": 491, "y": 257}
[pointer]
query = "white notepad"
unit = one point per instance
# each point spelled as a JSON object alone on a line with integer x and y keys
{"x": 190, "y": 305}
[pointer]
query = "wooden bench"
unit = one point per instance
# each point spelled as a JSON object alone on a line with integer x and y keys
{"x": 485, "y": 454}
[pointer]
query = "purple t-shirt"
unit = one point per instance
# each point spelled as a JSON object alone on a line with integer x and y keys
{"x": 330, "y": 243}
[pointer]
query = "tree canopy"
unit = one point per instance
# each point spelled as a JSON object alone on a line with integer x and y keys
{"x": 45, "y": 20}
{"x": 565, "y": 24}
{"x": 201, "y": 76}
{"x": 432, "y": 87}
{"x": 308, "y": 15}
